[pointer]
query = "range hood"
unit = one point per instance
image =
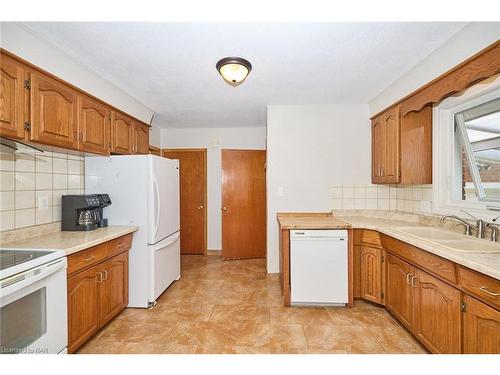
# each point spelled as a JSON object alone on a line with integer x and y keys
{"x": 16, "y": 146}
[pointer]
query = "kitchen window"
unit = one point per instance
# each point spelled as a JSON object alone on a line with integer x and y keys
{"x": 467, "y": 152}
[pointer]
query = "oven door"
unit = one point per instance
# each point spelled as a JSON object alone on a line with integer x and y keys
{"x": 33, "y": 310}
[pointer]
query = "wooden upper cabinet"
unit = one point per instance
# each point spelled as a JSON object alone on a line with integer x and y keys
{"x": 93, "y": 126}
{"x": 378, "y": 150}
{"x": 399, "y": 291}
{"x": 140, "y": 138}
{"x": 11, "y": 98}
{"x": 437, "y": 314}
{"x": 54, "y": 112}
{"x": 121, "y": 134}
{"x": 371, "y": 274}
{"x": 391, "y": 125}
{"x": 481, "y": 328}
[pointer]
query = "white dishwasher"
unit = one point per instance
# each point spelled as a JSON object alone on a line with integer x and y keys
{"x": 318, "y": 267}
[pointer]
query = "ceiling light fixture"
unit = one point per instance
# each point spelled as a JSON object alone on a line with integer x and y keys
{"x": 234, "y": 70}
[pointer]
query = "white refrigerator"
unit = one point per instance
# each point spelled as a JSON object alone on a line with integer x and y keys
{"x": 144, "y": 191}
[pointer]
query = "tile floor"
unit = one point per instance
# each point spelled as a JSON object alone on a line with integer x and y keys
{"x": 235, "y": 307}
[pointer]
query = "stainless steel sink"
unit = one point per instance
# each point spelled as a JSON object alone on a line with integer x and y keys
{"x": 430, "y": 233}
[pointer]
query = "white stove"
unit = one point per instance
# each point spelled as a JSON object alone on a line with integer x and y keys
{"x": 33, "y": 309}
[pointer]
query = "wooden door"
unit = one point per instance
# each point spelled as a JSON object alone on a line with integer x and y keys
{"x": 83, "y": 308}
{"x": 481, "y": 333}
{"x": 378, "y": 150}
{"x": 437, "y": 314}
{"x": 94, "y": 124}
{"x": 371, "y": 274}
{"x": 243, "y": 203}
{"x": 114, "y": 287}
{"x": 11, "y": 98}
{"x": 193, "y": 192}
{"x": 140, "y": 138}
{"x": 54, "y": 112}
{"x": 390, "y": 168}
{"x": 399, "y": 291}
{"x": 121, "y": 134}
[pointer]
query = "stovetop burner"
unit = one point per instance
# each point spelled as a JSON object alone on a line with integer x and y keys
{"x": 11, "y": 258}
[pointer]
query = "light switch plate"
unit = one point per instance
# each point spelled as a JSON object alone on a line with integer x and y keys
{"x": 280, "y": 191}
{"x": 215, "y": 142}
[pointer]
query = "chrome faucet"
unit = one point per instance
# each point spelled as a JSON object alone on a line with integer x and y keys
{"x": 479, "y": 227}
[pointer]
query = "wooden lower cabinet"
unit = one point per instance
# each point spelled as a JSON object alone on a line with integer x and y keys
{"x": 95, "y": 295}
{"x": 83, "y": 306}
{"x": 481, "y": 328}
{"x": 114, "y": 288}
{"x": 371, "y": 280}
{"x": 437, "y": 314}
{"x": 399, "y": 291}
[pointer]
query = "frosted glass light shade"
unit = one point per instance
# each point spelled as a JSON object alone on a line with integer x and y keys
{"x": 234, "y": 70}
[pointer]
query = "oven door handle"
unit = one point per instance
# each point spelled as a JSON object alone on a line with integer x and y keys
{"x": 20, "y": 280}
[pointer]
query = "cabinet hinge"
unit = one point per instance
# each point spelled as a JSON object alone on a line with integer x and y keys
{"x": 382, "y": 294}
{"x": 27, "y": 126}
{"x": 399, "y": 173}
{"x": 463, "y": 307}
{"x": 27, "y": 84}
{"x": 383, "y": 258}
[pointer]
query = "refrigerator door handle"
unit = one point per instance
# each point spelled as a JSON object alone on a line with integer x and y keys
{"x": 157, "y": 205}
{"x": 162, "y": 245}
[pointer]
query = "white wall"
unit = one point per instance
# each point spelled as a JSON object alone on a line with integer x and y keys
{"x": 472, "y": 39}
{"x": 23, "y": 43}
{"x": 310, "y": 149}
{"x": 236, "y": 138}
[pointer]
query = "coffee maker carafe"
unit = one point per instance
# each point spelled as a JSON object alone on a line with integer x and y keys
{"x": 83, "y": 212}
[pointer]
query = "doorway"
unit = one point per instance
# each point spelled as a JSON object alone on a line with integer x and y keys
{"x": 243, "y": 204}
{"x": 193, "y": 198}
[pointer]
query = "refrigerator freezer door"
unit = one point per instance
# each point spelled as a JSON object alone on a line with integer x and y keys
{"x": 164, "y": 192}
{"x": 166, "y": 265}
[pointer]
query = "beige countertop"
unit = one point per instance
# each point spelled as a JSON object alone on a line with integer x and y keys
{"x": 486, "y": 263}
{"x": 71, "y": 242}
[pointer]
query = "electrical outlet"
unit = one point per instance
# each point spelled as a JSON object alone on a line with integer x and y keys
{"x": 426, "y": 206}
{"x": 43, "y": 202}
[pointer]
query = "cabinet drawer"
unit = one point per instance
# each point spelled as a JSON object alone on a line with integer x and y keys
{"x": 85, "y": 258}
{"x": 119, "y": 245}
{"x": 371, "y": 237}
{"x": 482, "y": 286}
{"x": 421, "y": 258}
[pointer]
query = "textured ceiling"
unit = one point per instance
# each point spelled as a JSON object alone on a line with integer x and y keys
{"x": 171, "y": 67}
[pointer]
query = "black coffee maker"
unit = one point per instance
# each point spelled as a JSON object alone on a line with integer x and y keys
{"x": 84, "y": 212}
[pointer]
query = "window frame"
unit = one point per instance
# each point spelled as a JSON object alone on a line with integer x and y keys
{"x": 444, "y": 169}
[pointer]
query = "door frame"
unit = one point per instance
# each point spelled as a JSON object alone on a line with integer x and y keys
{"x": 222, "y": 197}
{"x": 205, "y": 229}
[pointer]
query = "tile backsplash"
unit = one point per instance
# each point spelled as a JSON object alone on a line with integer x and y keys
{"x": 416, "y": 199}
{"x": 31, "y": 186}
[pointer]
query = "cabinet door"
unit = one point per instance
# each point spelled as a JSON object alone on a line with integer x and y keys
{"x": 121, "y": 134}
{"x": 53, "y": 112}
{"x": 378, "y": 150}
{"x": 481, "y": 328}
{"x": 11, "y": 98}
{"x": 371, "y": 274}
{"x": 390, "y": 167}
{"x": 437, "y": 314}
{"x": 114, "y": 288}
{"x": 93, "y": 126}
{"x": 399, "y": 292}
{"x": 140, "y": 138}
{"x": 83, "y": 306}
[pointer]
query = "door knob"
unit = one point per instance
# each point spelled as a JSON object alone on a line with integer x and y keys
{"x": 200, "y": 207}
{"x": 224, "y": 208}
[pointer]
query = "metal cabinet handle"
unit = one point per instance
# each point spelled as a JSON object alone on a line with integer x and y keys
{"x": 413, "y": 278}
{"x": 485, "y": 289}
{"x": 200, "y": 207}
{"x": 105, "y": 275}
{"x": 89, "y": 258}
{"x": 408, "y": 278}
{"x": 99, "y": 280}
